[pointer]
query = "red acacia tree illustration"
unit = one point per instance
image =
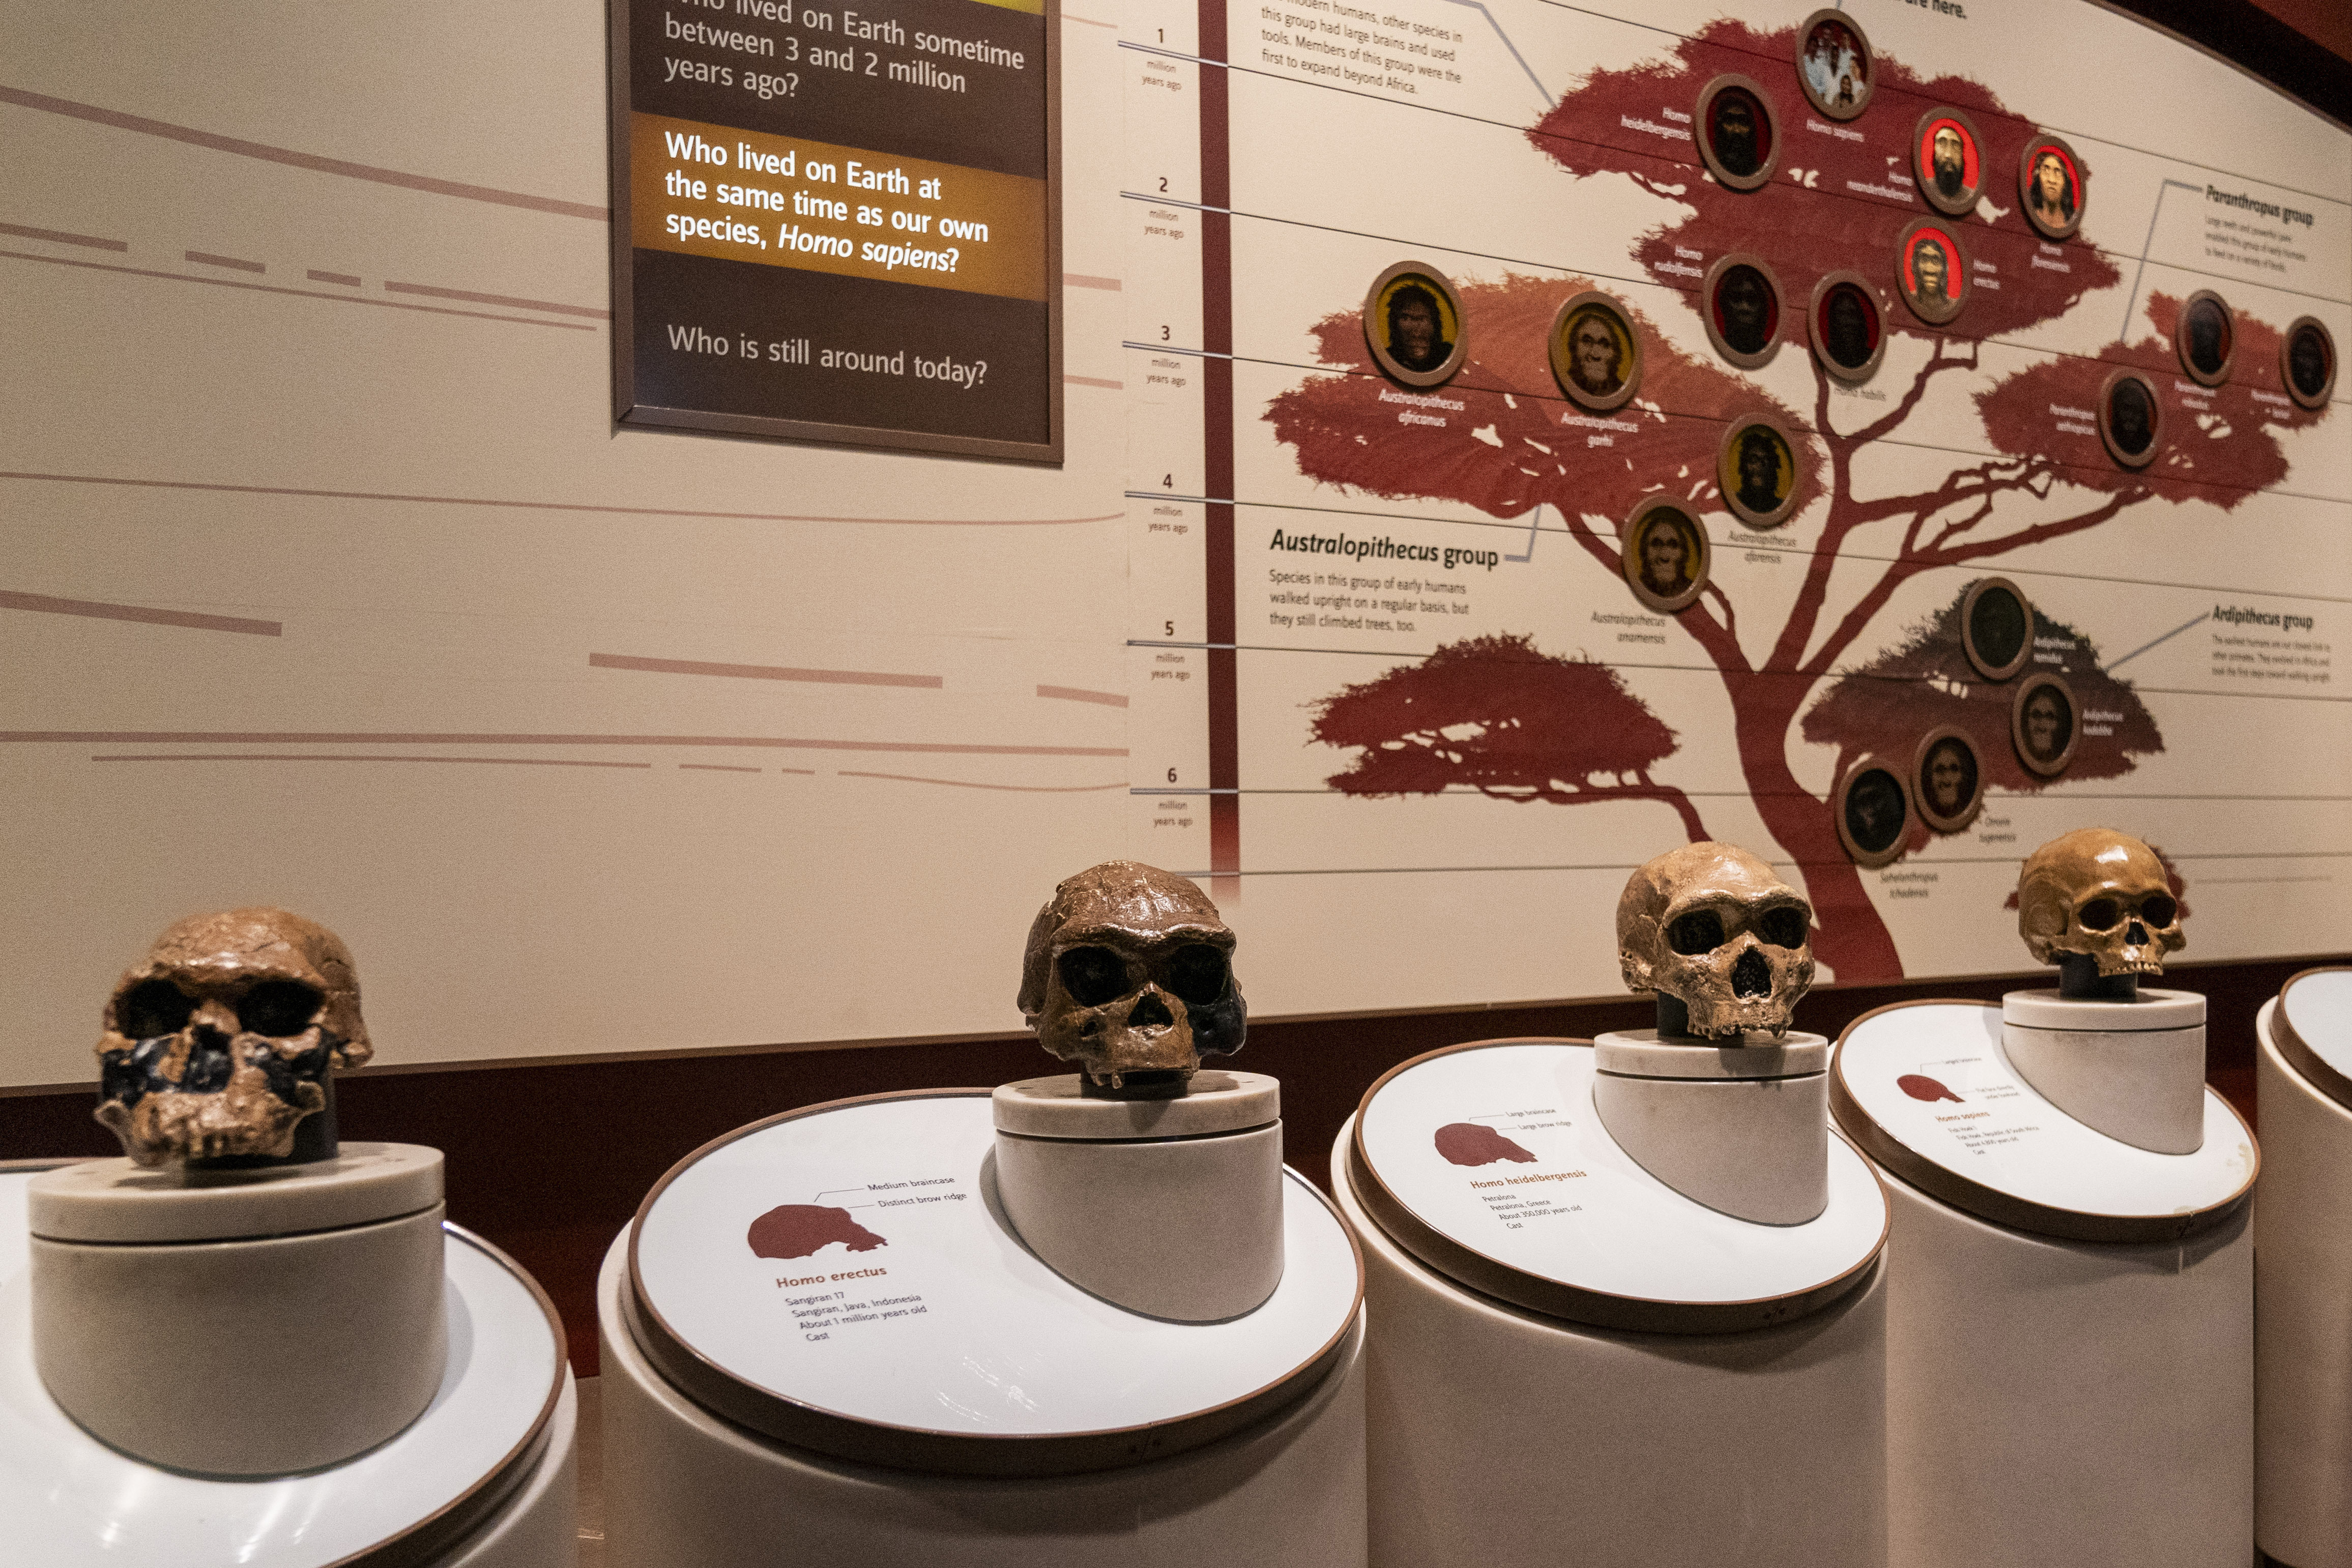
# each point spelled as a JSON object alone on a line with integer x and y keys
{"x": 2036, "y": 472}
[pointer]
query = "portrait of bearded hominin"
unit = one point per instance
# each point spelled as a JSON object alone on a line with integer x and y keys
{"x": 1665, "y": 556}
{"x": 1996, "y": 627}
{"x": 1757, "y": 469}
{"x": 1873, "y": 812}
{"x": 1737, "y": 138}
{"x": 1743, "y": 313}
{"x": 2049, "y": 185}
{"x": 2206, "y": 338}
{"x": 1595, "y": 355}
{"x": 1947, "y": 782}
{"x": 1933, "y": 271}
{"x": 1412, "y": 322}
{"x": 2307, "y": 360}
{"x": 2130, "y": 422}
{"x": 1833, "y": 64}
{"x": 1946, "y": 159}
{"x": 2041, "y": 723}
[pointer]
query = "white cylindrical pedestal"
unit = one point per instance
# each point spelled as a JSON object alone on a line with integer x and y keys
{"x": 1169, "y": 1207}
{"x": 683, "y": 1487}
{"x": 2053, "y": 1401}
{"x": 2070, "y": 1317}
{"x": 485, "y": 1478}
{"x": 289, "y": 1315}
{"x": 2134, "y": 1070}
{"x": 1503, "y": 1438}
{"x": 1742, "y": 1128}
{"x": 2302, "y": 1289}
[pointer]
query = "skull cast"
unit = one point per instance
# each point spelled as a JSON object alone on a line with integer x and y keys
{"x": 218, "y": 1043}
{"x": 1128, "y": 973}
{"x": 2102, "y": 893}
{"x": 1710, "y": 925}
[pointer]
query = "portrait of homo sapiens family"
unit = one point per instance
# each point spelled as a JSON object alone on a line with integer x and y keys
{"x": 1833, "y": 64}
{"x": 1412, "y": 324}
{"x": 1665, "y": 554}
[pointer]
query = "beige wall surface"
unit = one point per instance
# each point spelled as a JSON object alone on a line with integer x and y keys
{"x": 326, "y": 579}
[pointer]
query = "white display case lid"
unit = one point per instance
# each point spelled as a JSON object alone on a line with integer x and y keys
{"x": 1488, "y": 1162}
{"x": 843, "y": 1278}
{"x": 68, "y": 1499}
{"x": 2314, "y": 1029}
{"x": 1926, "y": 1091}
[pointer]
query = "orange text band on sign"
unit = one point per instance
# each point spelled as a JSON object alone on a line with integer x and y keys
{"x": 708, "y": 190}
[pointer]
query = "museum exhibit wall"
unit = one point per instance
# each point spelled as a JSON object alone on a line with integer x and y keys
{"x": 331, "y": 581}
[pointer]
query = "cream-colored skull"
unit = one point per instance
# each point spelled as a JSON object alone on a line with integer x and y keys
{"x": 1128, "y": 972}
{"x": 1710, "y": 925}
{"x": 219, "y": 1042}
{"x": 2103, "y": 893}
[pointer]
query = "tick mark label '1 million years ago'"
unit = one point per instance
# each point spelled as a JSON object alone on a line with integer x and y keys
{"x": 839, "y": 225}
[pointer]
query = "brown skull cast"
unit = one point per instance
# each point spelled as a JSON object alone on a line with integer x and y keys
{"x": 219, "y": 1042}
{"x": 2101, "y": 894}
{"x": 1712, "y": 927}
{"x": 1128, "y": 973}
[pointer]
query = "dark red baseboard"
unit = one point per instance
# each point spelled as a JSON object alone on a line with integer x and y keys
{"x": 550, "y": 1161}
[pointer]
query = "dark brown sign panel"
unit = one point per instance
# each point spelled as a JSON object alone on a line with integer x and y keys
{"x": 838, "y": 224}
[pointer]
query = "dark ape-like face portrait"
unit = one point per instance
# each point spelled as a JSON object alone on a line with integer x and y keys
{"x": 1933, "y": 270}
{"x": 1735, "y": 135}
{"x": 1664, "y": 556}
{"x": 2207, "y": 338}
{"x": 1746, "y": 301}
{"x": 2047, "y": 725}
{"x": 1874, "y": 811}
{"x": 1997, "y": 628}
{"x": 1592, "y": 356}
{"x": 1759, "y": 470}
{"x": 2130, "y": 420}
{"x": 1951, "y": 162}
{"x": 1416, "y": 331}
{"x": 2053, "y": 194}
{"x": 2307, "y": 361}
{"x": 1848, "y": 330}
{"x": 1949, "y": 778}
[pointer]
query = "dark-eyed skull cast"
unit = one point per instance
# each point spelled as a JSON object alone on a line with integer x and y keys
{"x": 2102, "y": 893}
{"x": 1129, "y": 974}
{"x": 1710, "y": 925}
{"x": 218, "y": 1043}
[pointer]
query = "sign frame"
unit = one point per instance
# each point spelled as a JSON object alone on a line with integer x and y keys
{"x": 629, "y": 414}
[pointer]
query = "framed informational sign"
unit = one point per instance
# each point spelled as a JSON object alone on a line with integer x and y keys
{"x": 839, "y": 225}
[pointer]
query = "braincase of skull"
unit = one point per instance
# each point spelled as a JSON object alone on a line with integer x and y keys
{"x": 279, "y": 972}
{"x": 1134, "y": 909}
{"x": 2078, "y": 867}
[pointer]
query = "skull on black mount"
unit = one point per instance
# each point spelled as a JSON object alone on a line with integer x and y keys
{"x": 218, "y": 1043}
{"x": 1710, "y": 925}
{"x": 2101, "y": 894}
{"x": 1129, "y": 973}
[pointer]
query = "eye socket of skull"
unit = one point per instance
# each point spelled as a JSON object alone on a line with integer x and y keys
{"x": 280, "y": 1008}
{"x": 152, "y": 1008}
{"x": 1785, "y": 926}
{"x": 2100, "y": 914}
{"x": 1092, "y": 975}
{"x": 2160, "y": 909}
{"x": 1700, "y": 931}
{"x": 1198, "y": 973}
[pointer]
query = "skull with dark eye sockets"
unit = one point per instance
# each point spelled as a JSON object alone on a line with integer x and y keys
{"x": 219, "y": 1043}
{"x": 2104, "y": 895}
{"x": 1129, "y": 974}
{"x": 1710, "y": 925}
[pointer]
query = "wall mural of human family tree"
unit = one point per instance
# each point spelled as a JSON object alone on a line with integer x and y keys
{"x": 1781, "y": 224}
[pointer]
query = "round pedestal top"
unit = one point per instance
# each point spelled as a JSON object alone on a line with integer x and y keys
{"x": 2045, "y": 1009}
{"x": 1488, "y": 1162}
{"x": 1926, "y": 1091}
{"x": 843, "y": 1278}
{"x": 1640, "y": 1053}
{"x": 70, "y": 1501}
{"x": 2313, "y": 1027}
{"x": 114, "y": 1201}
{"x": 1058, "y": 1107}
